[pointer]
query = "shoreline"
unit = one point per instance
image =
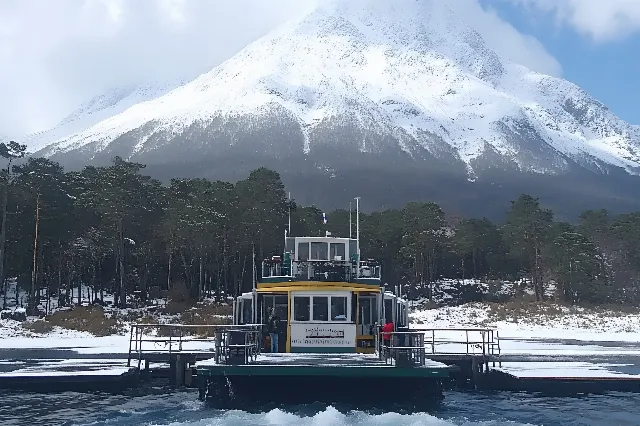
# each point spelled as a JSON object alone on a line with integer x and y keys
{"x": 595, "y": 358}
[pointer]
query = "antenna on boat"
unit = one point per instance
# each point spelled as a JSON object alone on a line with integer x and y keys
{"x": 358, "y": 226}
{"x": 350, "y": 208}
{"x": 288, "y": 229}
{"x": 289, "y": 212}
{"x": 254, "y": 297}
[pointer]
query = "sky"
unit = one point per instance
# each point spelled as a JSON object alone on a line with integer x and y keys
{"x": 55, "y": 55}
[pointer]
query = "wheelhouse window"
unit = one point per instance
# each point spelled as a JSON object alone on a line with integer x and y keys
{"x": 301, "y": 308}
{"x": 319, "y": 251}
{"x": 338, "y": 308}
{"x": 303, "y": 251}
{"x": 247, "y": 311}
{"x": 320, "y": 308}
{"x": 337, "y": 250}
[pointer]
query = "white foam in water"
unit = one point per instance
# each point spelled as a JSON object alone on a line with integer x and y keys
{"x": 329, "y": 417}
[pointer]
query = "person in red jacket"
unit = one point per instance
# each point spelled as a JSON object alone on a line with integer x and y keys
{"x": 386, "y": 329}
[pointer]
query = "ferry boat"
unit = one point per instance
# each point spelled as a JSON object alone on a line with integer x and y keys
{"x": 327, "y": 298}
{"x": 331, "y": 304}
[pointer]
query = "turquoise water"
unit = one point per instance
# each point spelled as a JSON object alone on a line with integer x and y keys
{"x": 159, "y": 406}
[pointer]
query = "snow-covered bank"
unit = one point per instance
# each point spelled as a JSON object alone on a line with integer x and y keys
{"x": 534, "y": 320}
{"x": 561, "y": 331}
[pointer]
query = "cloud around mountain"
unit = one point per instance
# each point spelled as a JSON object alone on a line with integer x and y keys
{"x": 95, "y": 47}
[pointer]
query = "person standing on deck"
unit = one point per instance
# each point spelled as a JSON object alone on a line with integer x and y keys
{"x": 274, "y": 323}
{"x": 386, "y": 329}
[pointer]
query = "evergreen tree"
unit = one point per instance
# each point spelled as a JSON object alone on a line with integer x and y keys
{"x": 527, "y": 229}
{"x": 10, "y": 152}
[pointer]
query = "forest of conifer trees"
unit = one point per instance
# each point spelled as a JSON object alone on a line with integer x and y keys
{"x": 116, "y": 230}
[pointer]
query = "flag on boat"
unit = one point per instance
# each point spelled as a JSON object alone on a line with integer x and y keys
{"x": 324, "y": 218}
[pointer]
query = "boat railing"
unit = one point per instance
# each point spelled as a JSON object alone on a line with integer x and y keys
{"x": 229, "y": 341}
{"x": 461, "y": 341}
{"x": 403, "y": 349}
{"x": 439, "y": 342}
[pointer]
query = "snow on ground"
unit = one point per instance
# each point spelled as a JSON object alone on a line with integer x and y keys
{"x": 85, "y": 343}
{"x": 524, "y": 330}
{"x": 567, "y": 370}
{"x": 568, "y": 332}
{"x": 72, "y": 367}
{"x": 556, "y": 322}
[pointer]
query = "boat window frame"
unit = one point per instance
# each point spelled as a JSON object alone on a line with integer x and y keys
{"x": 343, "y": 251}
{"x": 326, "y": 302}
{"x": 299, "y": 252}
{"x": 294, "y": 308}
{"x": 327, "y": 294}
{"x": 331, "y": 315}
{"x": 325, "y": 251}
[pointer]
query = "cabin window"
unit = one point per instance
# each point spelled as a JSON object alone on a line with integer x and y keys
{"x": 337, "y": 249}
{"x": 247, "y": 311}
{"x": 319, "y": 251}
{"x": 303, "y": 251}
{"x": 301, "y": 308}
{"x": 338, "y": 308}
{"x": 320, "y": 308}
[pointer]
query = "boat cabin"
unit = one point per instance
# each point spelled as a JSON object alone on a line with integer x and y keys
{"x": 326, "y": 297}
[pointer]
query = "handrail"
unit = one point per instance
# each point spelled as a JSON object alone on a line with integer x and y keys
{"x": 487, "y": 342}
{"x": 178, "y": 336}
{"x": 404, "y": 348}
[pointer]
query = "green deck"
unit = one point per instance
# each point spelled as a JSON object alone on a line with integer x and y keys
{"x": 338, "y": 365}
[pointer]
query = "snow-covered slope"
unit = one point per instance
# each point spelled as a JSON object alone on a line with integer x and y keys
{"x": 101, "y": 107}
{"x": 376, "y": 75}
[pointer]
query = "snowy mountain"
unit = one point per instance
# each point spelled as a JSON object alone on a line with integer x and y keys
{"x": 101, "y": 107}
{"x": 381, "y": 85}
{"x": 402, "y": 73}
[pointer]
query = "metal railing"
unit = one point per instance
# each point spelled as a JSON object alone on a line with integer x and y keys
{"x": 461, "y": 341}
{"x": 170, "y": 339}
{"x": 438, "y": 342}
{"x": 403, "y": 349}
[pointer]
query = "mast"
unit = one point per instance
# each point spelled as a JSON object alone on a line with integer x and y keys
{"x": 288, "y": 229}
{"x": 350, "y": 219}
{"x": 254, "y": 298}
{"x": 358, "y": 226}
{"x": 289, "y": 212}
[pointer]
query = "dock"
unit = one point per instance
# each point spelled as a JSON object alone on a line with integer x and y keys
{"x": 563, "y": 378}
{"x": 229, "y": 365}
{"x": 82, "y": 375}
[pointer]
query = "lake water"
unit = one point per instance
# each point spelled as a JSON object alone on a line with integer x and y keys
{"x": 158, "y": 406}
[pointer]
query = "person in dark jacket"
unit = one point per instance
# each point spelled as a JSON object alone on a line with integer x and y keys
{"x": 274, "y": 324}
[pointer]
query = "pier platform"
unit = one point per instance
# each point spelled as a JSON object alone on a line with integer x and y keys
{"x": 82, "y": 375}
{"x": 563, "y": 378}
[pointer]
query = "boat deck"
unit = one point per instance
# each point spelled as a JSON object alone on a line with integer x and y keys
{"x": 321, "y": 365}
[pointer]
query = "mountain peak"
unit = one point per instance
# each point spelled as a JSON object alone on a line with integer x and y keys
{"x": 374, "y": 76}
{"x": 402, "y": 26}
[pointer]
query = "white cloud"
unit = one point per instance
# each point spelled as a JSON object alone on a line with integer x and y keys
{"x": 56, "y": 54}
{"x": 601, "y": 20}
{"x": 505, "y": 39}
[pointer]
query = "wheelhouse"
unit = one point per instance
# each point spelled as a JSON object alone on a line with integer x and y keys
{"x": 326, "y": 297}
